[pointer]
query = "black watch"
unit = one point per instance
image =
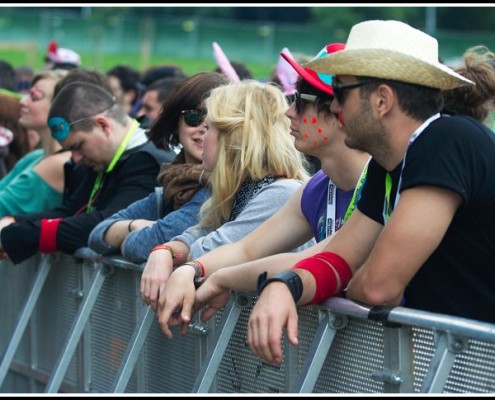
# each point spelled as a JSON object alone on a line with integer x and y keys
{"x": 290, "y": 278}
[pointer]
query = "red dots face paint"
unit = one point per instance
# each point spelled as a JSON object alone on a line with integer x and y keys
{"x": 314, "y": 133}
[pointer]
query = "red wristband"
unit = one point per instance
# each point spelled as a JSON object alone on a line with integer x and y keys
{"x": 165, "y": 247}
{"x": 48, "y": 235}
{"x": 325, "y": 276}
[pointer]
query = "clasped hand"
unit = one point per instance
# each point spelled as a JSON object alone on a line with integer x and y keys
{"x": 155, "y": 275}
{"x": 176, "y": 301}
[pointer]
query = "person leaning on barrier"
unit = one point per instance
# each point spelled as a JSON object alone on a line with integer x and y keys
{"x": 254, "y": 167}
{"x": 317, "y": 210}
{"x": 49, "y": 172}
{"x": 423, "y": 227}
{"x": 122, "y": 168}
{"x": 165, "y": 213}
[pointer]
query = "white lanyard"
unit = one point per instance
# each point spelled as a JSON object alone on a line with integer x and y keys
{"x": 388, "y": 180}
{"x": 331, "y": 216}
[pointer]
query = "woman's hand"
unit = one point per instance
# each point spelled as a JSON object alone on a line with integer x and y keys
{"x": 176, "y": 301}
{"x": 212, "y": 295}
{"x": 155, "y": 275}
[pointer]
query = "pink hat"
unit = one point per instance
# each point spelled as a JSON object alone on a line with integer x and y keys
{"x": 60, "y": 55}
{"x": 317, "y": 79}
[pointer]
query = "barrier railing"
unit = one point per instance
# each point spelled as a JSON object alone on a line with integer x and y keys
{"x": 78, "y": 325}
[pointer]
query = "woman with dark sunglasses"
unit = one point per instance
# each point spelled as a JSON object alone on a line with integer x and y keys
{"x": 175, "y": 204}
{"x": 254, "y": 168}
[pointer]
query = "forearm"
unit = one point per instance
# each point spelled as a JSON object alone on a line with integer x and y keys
{"x": 244, "y": 277}
{"x": 117, "y": 232}
{"x": 227, "y": 255}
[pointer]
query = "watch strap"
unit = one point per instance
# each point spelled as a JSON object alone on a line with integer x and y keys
{"x": 289, "y": 277}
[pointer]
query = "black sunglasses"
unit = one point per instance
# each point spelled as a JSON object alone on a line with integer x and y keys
{"x": 300, "y": 97}
{"x": 193, "y": 118}
{"x": 340, "y": 88}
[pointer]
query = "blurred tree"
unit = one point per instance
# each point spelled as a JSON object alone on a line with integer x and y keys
{"x": 274, "y": 14}
{"x": 338, "y": 19}
{"x": 341, "y": 19}
{"x": 466, "y": 18}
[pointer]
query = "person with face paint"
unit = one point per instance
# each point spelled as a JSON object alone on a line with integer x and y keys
{"x": 317, "y": 210}
{"x": 422, "y": 233}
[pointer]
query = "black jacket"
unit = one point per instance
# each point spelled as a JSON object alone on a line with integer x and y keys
{"x": 132, "y": 178}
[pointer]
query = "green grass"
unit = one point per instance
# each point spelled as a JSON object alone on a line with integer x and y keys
{"x": 104, "y": 63}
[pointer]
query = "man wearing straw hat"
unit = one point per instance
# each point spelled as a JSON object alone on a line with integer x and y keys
{"x": 423, "y": 232}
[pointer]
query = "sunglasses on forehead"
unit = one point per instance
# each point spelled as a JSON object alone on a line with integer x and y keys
{"x": 300, "y": 98}
{"x": 193, "y": 118}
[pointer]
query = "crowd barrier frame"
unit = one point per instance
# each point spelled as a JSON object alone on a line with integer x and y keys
{"x": 77, "y": 324}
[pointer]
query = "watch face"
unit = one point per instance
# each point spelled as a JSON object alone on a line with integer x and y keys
{"x": 198, "y": 281}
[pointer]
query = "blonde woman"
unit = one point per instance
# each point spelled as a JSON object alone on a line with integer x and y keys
{"x": 255, "y": 169}
{"x": 36, "y": 182}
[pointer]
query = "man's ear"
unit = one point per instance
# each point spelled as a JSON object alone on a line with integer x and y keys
{"x": 385, "y": 98}
{"x": 103, "y": 123}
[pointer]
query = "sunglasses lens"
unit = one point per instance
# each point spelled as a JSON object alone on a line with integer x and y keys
{"x": 297, "y": 100}
{"x": 194, "y": 117}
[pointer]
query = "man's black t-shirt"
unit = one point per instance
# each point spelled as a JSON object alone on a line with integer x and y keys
{"x": 457, "y": 153}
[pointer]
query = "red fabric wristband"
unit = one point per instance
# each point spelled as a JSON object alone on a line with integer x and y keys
{"x": 325, "y": 278}
{"x": 48, "y": 235}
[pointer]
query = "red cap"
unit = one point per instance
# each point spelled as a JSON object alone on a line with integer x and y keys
{"x": 317, "y": 79}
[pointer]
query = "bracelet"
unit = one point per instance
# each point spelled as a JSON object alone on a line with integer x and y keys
{"x": 129, "y": 228}
{"x": 290, "y": 278}
{"x": 199, "y": 271}
{"x": 167, "y": 247}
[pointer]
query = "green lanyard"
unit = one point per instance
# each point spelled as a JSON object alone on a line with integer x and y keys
{"x": 388, "y": 189}
{"x": 357, "y": 190}
{"x": 116, "y": 157}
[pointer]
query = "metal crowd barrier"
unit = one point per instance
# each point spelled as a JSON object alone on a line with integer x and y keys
{"x": 78, "y": 325}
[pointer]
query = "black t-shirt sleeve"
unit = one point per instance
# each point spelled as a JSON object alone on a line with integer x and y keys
{"x": 447, "y": 155}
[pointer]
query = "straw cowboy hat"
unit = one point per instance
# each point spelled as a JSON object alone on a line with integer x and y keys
{"x": 390, "y": 50}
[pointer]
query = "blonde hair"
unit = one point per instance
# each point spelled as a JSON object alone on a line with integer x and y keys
{"x": 253, "y": 141}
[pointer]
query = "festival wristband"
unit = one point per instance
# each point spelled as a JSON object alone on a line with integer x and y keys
{"x": 166, "y": 247}
{"x": 199, "y": 271}
{"x": 48, "y": 235}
